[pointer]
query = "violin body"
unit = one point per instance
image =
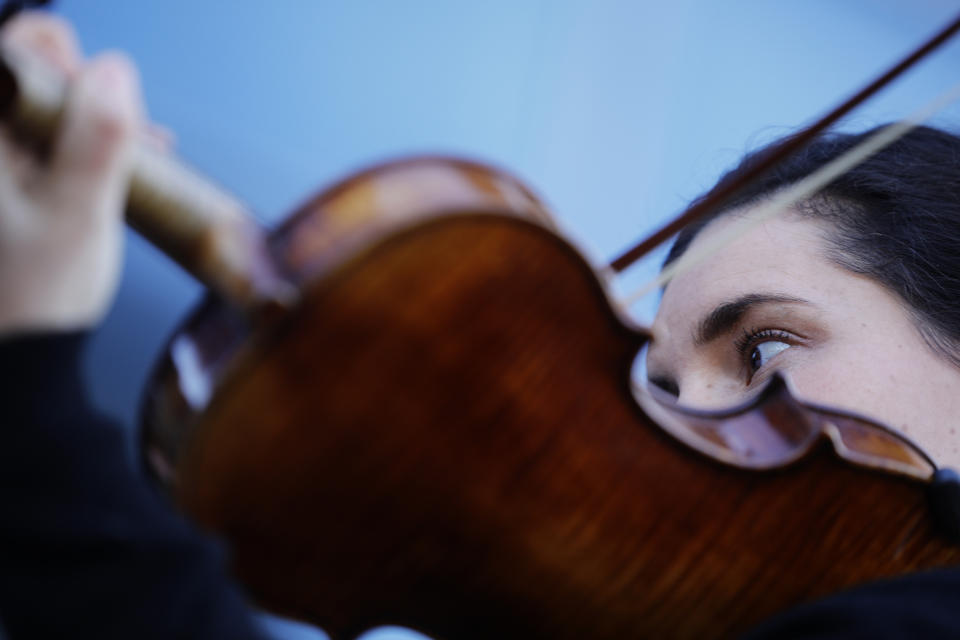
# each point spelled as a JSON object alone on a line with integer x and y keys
{"x": 442, "y": 434}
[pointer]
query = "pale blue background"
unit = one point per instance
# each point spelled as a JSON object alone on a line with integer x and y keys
{"x": 618, "y": 113}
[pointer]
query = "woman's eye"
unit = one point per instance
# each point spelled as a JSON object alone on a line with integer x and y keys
{"x": 756, "y": 347}
{"x": 762, "y": 353}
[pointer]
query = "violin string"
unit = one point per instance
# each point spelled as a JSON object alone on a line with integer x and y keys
{"x": 796, "y": 193}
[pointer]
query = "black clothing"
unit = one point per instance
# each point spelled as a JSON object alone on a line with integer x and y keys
{"x": 87, "y": 547}
{"x": 923, "y": 605}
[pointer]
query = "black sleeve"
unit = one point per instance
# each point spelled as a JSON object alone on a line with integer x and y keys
{"x": 922, "y": 605}
{"x": 87, "y": 548}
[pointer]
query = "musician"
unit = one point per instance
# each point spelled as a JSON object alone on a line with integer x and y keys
{"x": 88, "y": 550}
{"x": 854, "y": 295}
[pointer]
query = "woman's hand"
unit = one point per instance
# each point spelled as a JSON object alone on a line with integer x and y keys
{"x": 61, "y": 226}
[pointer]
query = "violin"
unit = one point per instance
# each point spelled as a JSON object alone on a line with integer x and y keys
{"x": 471, "y": 459}
{"x": 411, "y": 403}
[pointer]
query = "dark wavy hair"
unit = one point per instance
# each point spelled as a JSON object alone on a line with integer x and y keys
{"x": 896, "y": 218}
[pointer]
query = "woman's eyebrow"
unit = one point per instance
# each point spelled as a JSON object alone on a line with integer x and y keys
{"x": 726, "y": 315}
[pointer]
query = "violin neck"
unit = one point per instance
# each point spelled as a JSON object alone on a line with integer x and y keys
{"x": 200, "y": 226}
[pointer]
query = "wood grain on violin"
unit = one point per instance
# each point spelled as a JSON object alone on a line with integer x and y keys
{"x": 443, "y": 435}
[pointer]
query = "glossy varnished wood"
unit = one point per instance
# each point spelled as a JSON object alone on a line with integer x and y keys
{"x": 443, "y": 435}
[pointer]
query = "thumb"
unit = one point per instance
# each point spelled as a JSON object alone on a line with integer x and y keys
{"x": 90, "y": 163}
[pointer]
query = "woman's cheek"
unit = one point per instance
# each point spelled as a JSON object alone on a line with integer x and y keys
{"x": 831, "y": 378}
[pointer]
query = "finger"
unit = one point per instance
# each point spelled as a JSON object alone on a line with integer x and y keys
{"x": 91, "y": 156}
{"x": 16, "y": 163}
{"x": 158, "y": 137}
{"x": 16, "y": 166}
{"x": 46, "y": 36}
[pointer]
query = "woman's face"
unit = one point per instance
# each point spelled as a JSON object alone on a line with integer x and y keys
{"x": 772, "y": 300}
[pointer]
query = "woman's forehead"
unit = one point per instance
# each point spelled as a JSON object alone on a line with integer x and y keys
{"x": 785, "y": 255}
